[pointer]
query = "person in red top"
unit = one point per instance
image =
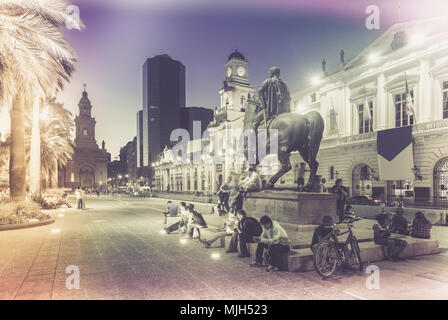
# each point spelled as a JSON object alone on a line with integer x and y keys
{"x": 421, "y": 227}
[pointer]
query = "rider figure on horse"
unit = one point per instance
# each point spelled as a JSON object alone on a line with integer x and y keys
{"x": 274, "y": 97}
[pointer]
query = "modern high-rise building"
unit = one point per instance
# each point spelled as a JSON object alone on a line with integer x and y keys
{"x": 163, "y": 99}
{"x": 199, "y": 114}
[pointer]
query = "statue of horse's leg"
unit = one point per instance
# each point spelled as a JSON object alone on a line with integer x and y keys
{"x": 314, "y": 165}
{"x": 283, "y": 157}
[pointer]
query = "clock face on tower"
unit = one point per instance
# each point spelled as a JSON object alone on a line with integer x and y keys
{"x": 241, "y": 71}
{"x": 229, "y": 72}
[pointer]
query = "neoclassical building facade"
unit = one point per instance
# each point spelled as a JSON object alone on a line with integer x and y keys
{"x": 410, "y": 58}
{"x": 88, "y": 167}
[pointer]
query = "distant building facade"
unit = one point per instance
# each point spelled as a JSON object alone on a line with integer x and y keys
{"x": 88, "y": 167}
{"x": 128, "y": 160}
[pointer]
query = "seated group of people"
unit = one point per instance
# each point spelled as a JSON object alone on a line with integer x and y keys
{"x": 242, "y": 229}
{"x": 190, "y": 219}
{"x": 388, "y": 224}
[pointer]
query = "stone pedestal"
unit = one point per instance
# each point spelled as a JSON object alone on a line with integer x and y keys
{"x": 301, "y": 208}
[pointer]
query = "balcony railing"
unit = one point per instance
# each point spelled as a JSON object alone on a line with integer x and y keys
{"x": 333, "y": 140}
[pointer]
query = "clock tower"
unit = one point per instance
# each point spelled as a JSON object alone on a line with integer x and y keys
{"x": 85, "y": 124}
{"x": 236, "y": 84}
{"x": 88, "y": 166}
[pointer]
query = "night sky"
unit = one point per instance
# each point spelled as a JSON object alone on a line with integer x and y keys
{"x": 292, "y": 34}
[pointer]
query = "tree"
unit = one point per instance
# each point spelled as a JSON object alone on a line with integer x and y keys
{"x": 34, "y": 59}
{"x": 56, "y": 126}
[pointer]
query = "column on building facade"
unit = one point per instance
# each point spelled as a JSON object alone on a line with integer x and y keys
{"x": 381, "y": 112}
{"x": 424, "y": 111}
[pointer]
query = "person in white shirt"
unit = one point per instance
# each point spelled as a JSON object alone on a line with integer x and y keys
{"x": 226, "y": 230}
{"x": 275, "y": 239}
{"x": 78, "y": 196}
{"x": 251, "y": 183}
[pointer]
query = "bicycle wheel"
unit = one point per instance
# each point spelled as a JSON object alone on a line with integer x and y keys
{"x": 356, "y": 253}
{"x": 325, "y": 258}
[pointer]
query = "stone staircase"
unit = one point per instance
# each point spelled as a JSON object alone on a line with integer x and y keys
{"x": 300, "y": 257}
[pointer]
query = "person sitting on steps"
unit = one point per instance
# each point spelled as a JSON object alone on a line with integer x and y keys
{"x": 248, "y": 229}
{"x": 421, "y": 227}
{"x": 322, "y": 231}
{"x": 382, "y": 236}
{"x": 182, "y": 223}
{"x": 252, "y": 183}
{"x": 171, "y": 211}
{"x": 275, "y": 239}
{"x": 196, "y": 222}
{"x": 226, "y": 230}
{"x": 399, "y": 223}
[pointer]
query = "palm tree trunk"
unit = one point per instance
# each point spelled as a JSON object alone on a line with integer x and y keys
{"x": 17, "y": 169}
{"x": 54, "y": 175}
{"x": 35, "y": 149}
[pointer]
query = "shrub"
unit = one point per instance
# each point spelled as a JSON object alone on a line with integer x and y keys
{"x": 50, "y": 199}
{"x": 18, "y": 212}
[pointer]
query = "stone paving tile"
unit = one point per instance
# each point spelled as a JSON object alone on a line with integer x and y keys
{"x": 121, "y": 255}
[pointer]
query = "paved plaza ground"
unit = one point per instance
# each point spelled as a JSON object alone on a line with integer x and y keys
{"x": 121, "y": 254}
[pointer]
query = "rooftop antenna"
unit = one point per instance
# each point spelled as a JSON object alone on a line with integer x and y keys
{"x": 85, "y": 87}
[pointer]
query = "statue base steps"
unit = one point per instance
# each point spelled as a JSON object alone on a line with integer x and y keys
{"x": 292, "y": 207}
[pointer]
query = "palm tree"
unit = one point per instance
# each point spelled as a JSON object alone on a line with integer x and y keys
{"x": 34, "y": 59}
{"x": 56, "y": 126}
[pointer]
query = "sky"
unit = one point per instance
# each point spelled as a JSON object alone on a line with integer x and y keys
{"x": 292, "y": 34}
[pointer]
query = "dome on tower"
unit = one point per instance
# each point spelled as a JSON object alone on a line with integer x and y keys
{"x": 236, "y": 55}
{"x": 85, "y": 97}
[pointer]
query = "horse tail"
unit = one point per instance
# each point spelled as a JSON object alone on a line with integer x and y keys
{"x": 315, "y": 133}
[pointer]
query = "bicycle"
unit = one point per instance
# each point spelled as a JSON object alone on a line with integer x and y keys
{"x": 330, "y": 253}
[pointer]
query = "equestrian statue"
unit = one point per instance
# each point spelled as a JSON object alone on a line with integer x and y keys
{"x": 296, "y": 132}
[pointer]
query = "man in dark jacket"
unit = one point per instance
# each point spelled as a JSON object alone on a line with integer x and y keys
{"x": 399, "y": 222}
{"x": 248, "y": 228}
{"x": 322, "y": 231}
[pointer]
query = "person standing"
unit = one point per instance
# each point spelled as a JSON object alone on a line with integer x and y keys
{"x": 342, "y": 195}
{"x": 78, "y": 198}
{"x": 235, "y": 195}
{"x": 301, "y": 178}
{"x": 224, "y": 193}
{"x": 83, "y": 198}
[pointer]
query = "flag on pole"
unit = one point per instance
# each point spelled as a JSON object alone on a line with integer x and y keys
{"x": 366, "y": 116}
{"x": 409, "y": 103}
{"x": 395, "y": 156}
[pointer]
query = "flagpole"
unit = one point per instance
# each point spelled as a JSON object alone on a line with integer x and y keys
{"x": 411, "y": 104}
{"x": 410, "y": 108}
{"x": 337, "y": 127}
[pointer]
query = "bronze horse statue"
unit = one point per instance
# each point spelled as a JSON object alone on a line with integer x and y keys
{"x": 296, "y": 132}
